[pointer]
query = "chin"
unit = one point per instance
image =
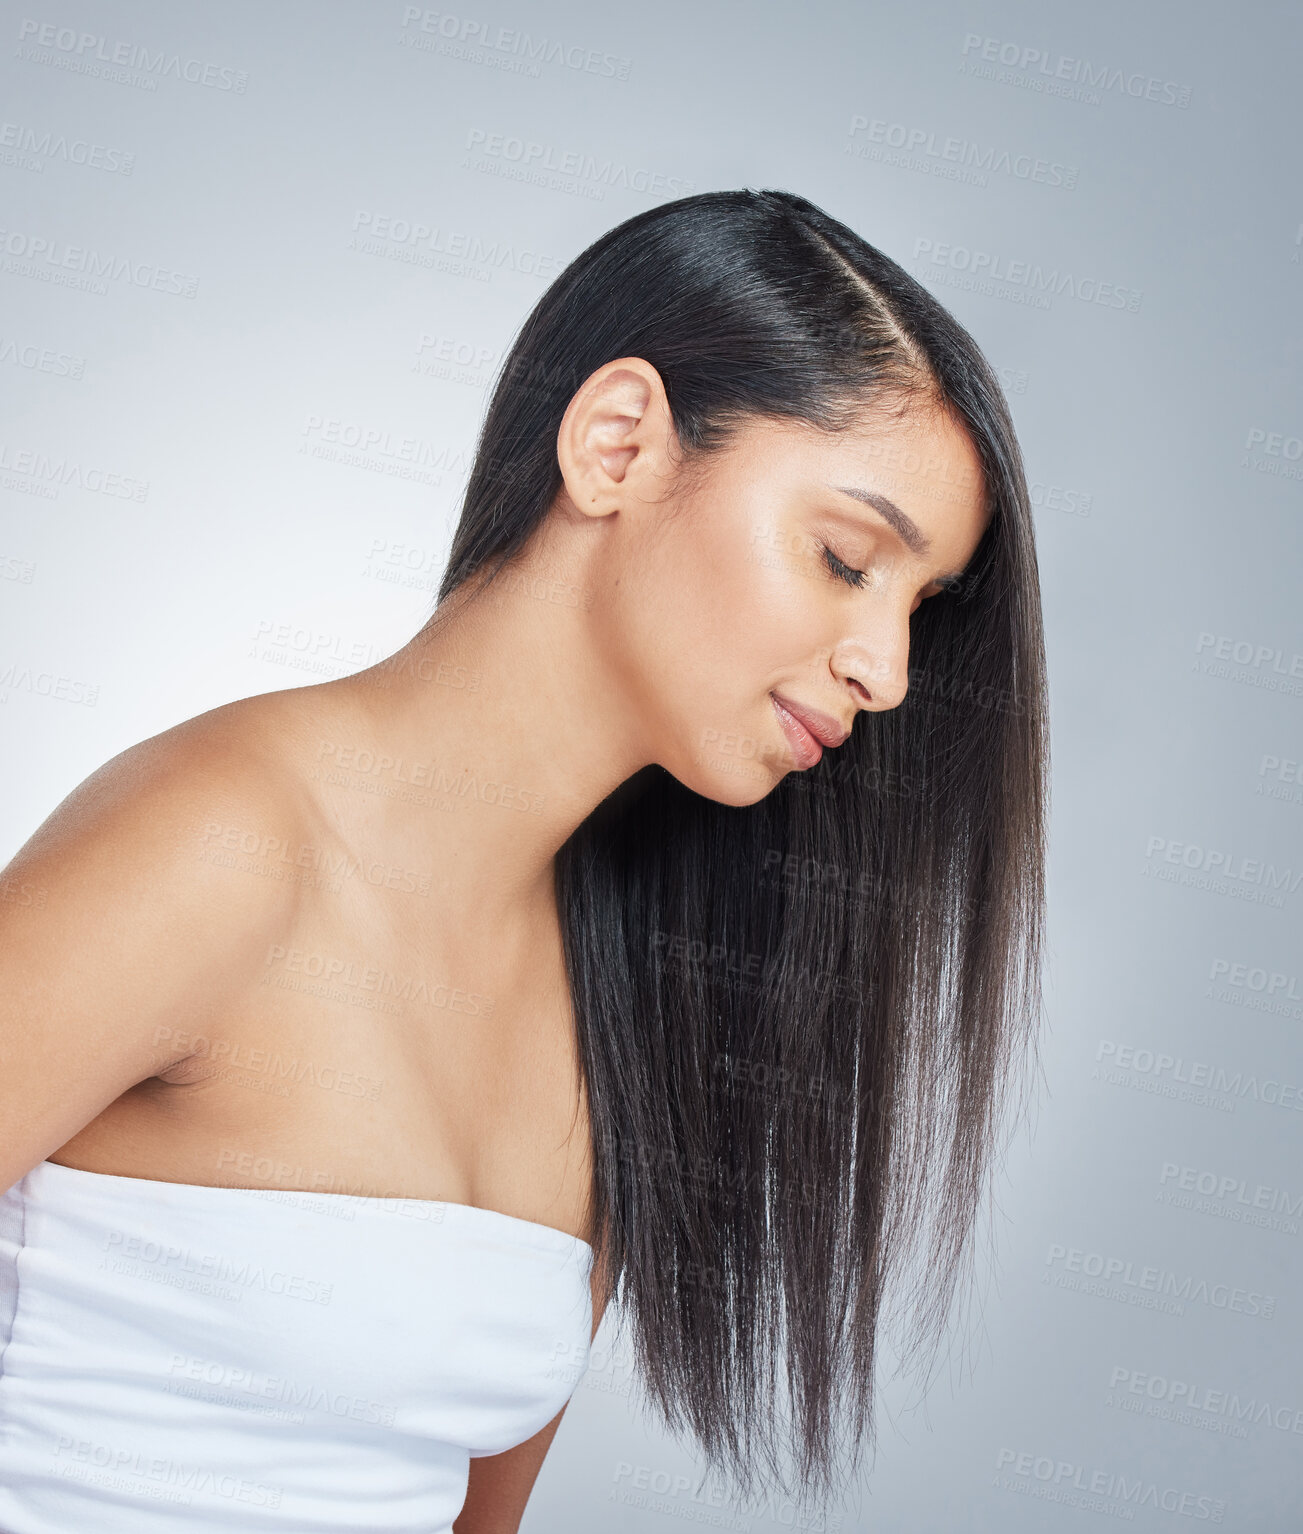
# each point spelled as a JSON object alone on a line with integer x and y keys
{"x": 731, "y": 769}
{"x": 738, "y": 793}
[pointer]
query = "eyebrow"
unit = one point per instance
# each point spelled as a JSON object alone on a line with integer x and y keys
{"x": 911, "y": 535}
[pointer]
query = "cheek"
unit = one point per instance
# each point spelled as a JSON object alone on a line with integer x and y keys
{"x": 704, "y": 622}
{"x": 788, "y": 604}
{"x": 712, "y": 611}
{"x": 743, "y": 611}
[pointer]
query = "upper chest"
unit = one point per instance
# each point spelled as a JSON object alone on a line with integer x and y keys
{"x": 366, "y": 1056}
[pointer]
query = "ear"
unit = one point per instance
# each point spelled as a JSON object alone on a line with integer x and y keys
{"x": 616, "y": 437}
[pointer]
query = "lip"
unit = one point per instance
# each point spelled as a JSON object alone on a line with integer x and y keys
{"x": 807, "y": 730}
{"x": 825, "y": 729}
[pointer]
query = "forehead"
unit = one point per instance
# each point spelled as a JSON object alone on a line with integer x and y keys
{"x": 921, "y": 459}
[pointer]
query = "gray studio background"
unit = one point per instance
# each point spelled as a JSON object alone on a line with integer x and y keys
{"x": 232, "y": 465}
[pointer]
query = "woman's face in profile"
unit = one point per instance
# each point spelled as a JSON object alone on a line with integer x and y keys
{"x": 776, "y": 577}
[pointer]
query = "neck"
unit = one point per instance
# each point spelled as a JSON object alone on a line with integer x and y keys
{"x": 493, "y": 734}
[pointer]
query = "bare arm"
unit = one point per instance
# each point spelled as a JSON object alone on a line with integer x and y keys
{"x": 500, "y": 1484}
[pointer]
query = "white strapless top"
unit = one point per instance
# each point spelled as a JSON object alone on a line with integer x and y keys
{"x": 175, "y": 1357}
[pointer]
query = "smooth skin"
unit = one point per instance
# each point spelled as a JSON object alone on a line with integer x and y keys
{"x": 164, "y": 932}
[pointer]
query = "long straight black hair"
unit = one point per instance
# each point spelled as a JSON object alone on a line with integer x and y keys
{"x": 798, "y": 1021}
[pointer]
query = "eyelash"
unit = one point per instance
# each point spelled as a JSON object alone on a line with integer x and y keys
{"x": 843, "y": 572}
{"x": 857, "y": 578}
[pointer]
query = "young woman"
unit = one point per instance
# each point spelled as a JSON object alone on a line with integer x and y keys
{"x": 662, "y": 921}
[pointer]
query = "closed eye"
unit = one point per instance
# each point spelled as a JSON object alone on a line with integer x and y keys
{"x": 842, "y": 571}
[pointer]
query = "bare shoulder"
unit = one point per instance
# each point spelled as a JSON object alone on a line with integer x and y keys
{"x": 166, "y": 803}
{"x": 153, "y": 855}
{"x": 125, "y": 915}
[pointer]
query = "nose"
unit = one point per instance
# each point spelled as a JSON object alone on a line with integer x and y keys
{"x": 873, "y": 664}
